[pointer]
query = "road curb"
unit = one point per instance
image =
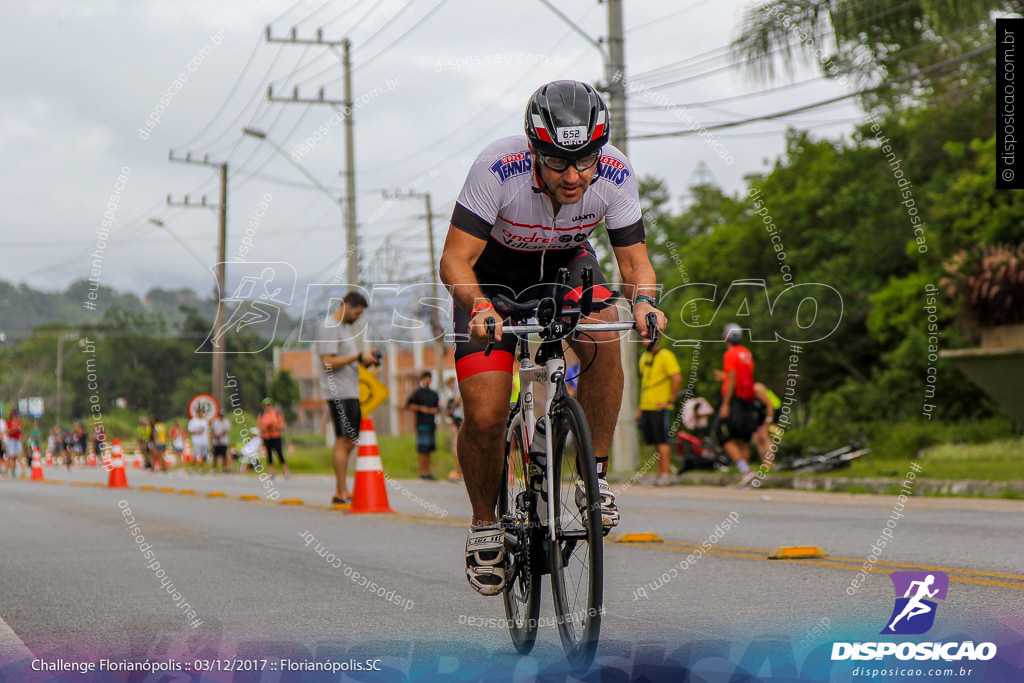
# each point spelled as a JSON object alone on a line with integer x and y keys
{"x": 881, "y": 485}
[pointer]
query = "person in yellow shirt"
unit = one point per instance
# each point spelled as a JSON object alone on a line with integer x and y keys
{"x": 660, "y": 378}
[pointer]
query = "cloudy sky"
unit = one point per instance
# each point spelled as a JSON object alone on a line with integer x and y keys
{"x": 94, "y": 100}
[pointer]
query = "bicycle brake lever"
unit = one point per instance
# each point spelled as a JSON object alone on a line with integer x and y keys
{"x": 489, "y": 326}
{"x": 652, "y": 329}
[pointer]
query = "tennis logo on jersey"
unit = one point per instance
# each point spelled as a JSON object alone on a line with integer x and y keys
{"x": 511, "y": 165}
{"x": 614, "y": 170}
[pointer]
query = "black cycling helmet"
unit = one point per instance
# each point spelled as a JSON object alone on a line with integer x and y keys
{"x": 567, "y": 119}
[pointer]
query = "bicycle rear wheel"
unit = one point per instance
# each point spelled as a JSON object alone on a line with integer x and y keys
{"x": 577, "y": 552}
{"x": 516, "y": 510}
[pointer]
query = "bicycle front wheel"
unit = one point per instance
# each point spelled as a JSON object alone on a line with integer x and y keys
{"x": 522, "y": 565}
{"x": 577, "y": 552}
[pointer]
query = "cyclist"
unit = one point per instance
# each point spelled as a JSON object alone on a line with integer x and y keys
{"x": 528, "y": 207}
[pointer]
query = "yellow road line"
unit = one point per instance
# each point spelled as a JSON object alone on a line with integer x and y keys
{"x": 850, "y": 564}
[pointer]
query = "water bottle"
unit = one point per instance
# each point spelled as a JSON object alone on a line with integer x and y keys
{"x": 538, "y": 457}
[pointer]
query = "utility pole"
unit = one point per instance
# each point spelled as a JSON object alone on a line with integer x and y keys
{"x": 615, "y": 71}
{"x": 344, "y": 107}
{"x": 218, "y": 351}
{"x": 439, "y": 348}
{"x": 624, "y": 442}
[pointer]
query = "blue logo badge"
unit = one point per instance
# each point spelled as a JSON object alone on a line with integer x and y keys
{"x": 914, "y": 612}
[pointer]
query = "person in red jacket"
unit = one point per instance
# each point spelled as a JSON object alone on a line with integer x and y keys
{"x": 737, "y": 415}
{"x": 271, "y": 422}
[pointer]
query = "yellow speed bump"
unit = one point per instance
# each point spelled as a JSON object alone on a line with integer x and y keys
{"x": 166, "y": 489}
{"x": 341, "y": 506}
{"x": 292, "y": 501}
{"x": 187, "y": 492}
{"x": 796, "y": 552}
{"x": 147, "y": 487}
{"x": 639, "y": 538}
{"x": 248, "y": 496}
{"x": 216, "y": 494}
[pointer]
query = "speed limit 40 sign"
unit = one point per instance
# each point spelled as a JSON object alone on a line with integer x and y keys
{"x": 203, "y": 405}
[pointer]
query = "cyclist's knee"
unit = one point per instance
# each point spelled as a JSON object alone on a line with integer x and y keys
{"x": 485, "y": 422}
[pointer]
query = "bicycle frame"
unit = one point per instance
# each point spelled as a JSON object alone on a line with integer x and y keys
{"x": 552, "y": 376}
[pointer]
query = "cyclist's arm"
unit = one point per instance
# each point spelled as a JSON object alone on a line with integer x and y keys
{"x": 461, "y": 250}
{"x": 638, "y": 275}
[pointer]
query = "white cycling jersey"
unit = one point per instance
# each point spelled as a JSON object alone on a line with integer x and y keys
{"x": 504, "y": 202}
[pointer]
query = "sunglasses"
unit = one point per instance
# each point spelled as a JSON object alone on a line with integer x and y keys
{"x": 561, "y": 165}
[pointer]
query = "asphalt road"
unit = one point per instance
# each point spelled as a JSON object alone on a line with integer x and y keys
{"x": 74, "y": 584}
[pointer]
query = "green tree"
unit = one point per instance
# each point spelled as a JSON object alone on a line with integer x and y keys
{"x": 285, "y": 391}
{"x": 866, "y": 40}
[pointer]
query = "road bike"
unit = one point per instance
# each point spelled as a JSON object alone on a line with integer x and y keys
{"x": 817, "y": 461}
{"x": 548, "y": 504}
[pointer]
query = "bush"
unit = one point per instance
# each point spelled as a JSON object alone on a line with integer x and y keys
{"x": 904, "y": 439}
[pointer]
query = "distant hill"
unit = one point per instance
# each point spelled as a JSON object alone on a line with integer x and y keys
{"x": 23, "y": 308}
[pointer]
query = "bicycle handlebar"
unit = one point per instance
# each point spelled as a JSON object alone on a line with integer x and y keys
{"x": 549, "y": 311}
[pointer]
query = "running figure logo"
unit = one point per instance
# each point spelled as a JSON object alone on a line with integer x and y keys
{"x": 914, "y": 613}
{"x": 259, "y": 292}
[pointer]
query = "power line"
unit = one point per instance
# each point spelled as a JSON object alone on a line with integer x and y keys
{"x": 733, "y": 98}
{"x": 402, "y": 37}
{"x": 864, "y": 91}
{"x": 667, "y": 16}
{"x": 461, "y": 128}
{"x": 405, "y": 8}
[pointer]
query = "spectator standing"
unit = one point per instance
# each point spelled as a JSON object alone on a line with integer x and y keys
{"x": 425, "y": 403}
{"x": 737, "y": 416}
{"x": 69, "y": 446}
{"x": 339, "y": 383}
{"x": 142, "y": 441}
{"x": 55, "y": 445}
{"x": 660, "y": 378}
{"x": 5, "y": 464}
{"x": 220, "y": 433}
{"x": 99, "y": 439}
{"x": 271, "y": 423}
{"x": 199, "y": 432}
{"x": 158, "y": 437}
{"x": 35, "y": 435}
{"x": 453, "y": 411}
{"x": 178, "y": 440}
{"x": 81, "y": 439}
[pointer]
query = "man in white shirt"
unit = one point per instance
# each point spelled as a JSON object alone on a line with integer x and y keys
{"x": 199, "y": 431}
{"x": 339, "y": 382}
{"x": 220, "y": 430}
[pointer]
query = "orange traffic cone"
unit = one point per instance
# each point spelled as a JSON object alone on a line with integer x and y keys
{"x": 91, "y": 460}
{"x": 37, "y": 465}
{"x": 49, "y": 458}
{"x": 186, "y": 456}
{"x": 370, "y": 493}
{"x": 139, "y": 460}
{"x": 117, "y": 479}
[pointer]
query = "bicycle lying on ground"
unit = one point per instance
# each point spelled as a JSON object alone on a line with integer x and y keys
{"x": 549, "y": 505}
{"x": 818, "y": 461}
